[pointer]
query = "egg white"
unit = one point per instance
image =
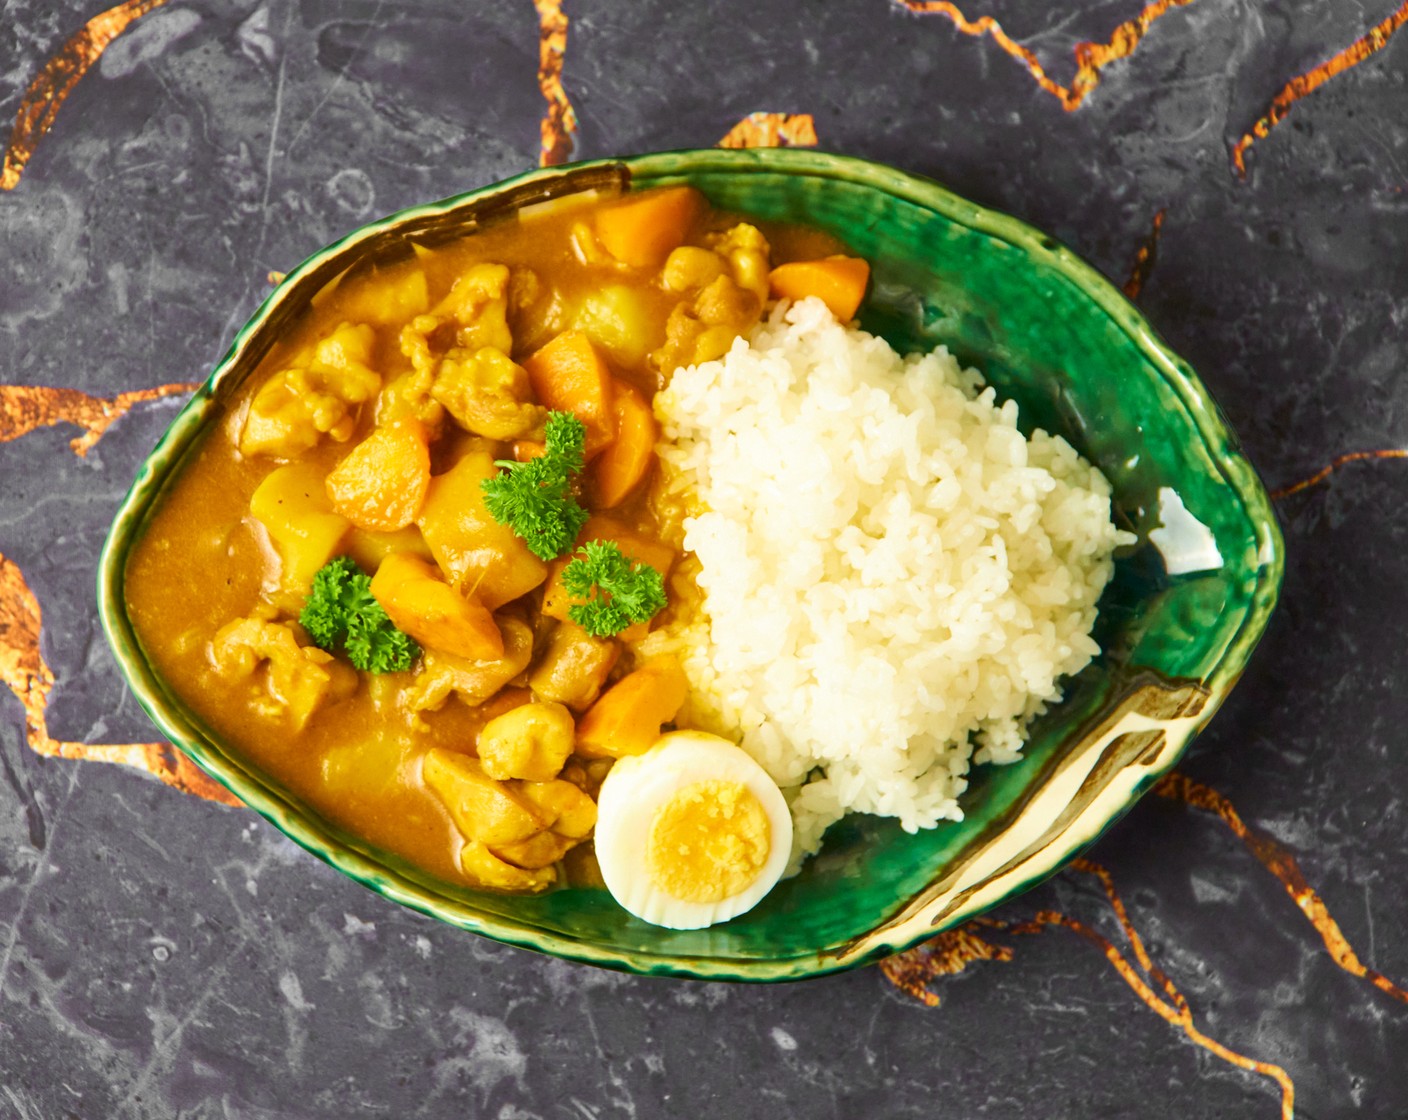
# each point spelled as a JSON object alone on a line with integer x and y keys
{"x": 639, "y": 786}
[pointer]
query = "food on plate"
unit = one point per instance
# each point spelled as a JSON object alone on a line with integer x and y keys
{"x": 691, "y": 832}
{"x": 598, "y": 546}
{"x": 894, "y": 577}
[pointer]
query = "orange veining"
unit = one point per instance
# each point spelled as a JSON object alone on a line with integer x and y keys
{"x": 1371, "y": 42}
{"x": 949, "y": 953}
{"x": 24, "y": 672}
{"x": 945, "y": 955}
{"x": 23, "y": 408}
{"x": 1091, "y": 58}
{"x": 771, "y": 130}
{"x": 1334, "y": 465}
{"x": 1145, "y": 259}
{"x": 1280, "y": 862}
{"x": 46, "y": 93}
{"x": 560, "y": 120}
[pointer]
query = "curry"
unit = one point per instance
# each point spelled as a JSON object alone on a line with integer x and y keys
{"x": 363, "y": 473}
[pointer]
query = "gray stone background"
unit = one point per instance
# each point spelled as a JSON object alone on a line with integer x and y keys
{"x": 164, "y": 956}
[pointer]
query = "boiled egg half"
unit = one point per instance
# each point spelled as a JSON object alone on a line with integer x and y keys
{"x": 692, "y": 832}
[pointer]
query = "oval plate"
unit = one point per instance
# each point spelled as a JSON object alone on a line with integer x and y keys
{"x": 1045, "y": 329}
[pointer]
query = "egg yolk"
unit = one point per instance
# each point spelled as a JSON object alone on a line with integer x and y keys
{"x": 708, "y": 842}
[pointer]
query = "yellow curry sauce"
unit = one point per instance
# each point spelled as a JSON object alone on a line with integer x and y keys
{"x": 434, "y": 354}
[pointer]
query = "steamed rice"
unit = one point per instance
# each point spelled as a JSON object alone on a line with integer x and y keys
{"x": 894, "y": 578}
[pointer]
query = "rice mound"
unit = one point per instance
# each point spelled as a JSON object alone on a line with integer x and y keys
{"x": 893, "y": 576}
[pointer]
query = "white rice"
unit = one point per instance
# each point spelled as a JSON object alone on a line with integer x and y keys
{"x": 894, "y": 578}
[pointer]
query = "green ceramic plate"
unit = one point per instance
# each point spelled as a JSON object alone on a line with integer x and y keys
{"x": 1177, "y": 623}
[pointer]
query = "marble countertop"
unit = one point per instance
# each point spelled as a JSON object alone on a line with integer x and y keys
{"x": 1234, "y": 948}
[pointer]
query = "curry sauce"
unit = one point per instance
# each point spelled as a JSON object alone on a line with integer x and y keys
{"x": 369, "y": 433}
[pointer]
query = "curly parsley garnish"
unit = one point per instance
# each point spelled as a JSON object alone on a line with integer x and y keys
{"x": 535, "y": 499}
{"x": 341, "y": 611}
{"x": 617, "y": 591}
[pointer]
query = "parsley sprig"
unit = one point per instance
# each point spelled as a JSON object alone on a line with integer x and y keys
{"x": 341, "y": 612}
{"x": 616, "y": 590}
{"x": 535, "y": 498}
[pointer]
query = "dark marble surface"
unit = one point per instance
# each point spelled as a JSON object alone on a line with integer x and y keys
{"x": 163, "y": 956}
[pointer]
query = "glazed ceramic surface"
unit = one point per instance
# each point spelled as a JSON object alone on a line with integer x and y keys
{"x": 1177, "y": 623}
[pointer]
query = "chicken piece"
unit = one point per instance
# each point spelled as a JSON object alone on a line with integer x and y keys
{"x": 571, "y": 815}
{"x": 472, "y": 316}
{"x": 747, "y": 252}
{"x": 702, "y": 329}
{"x": 295, "y": 408}
{"x": 725, "y": 287}
{"x": 690, "y": 268}
{"x": 530, "y": 742}
{"x": 488, "y": 870}
{"x": 540, "y": 851}
{"x": 536, "y": 310}
{"x": 488, "y": 393}
{"x": 529, "y": 825}
{"x": 573, "y": 667}
{"x": 568, "y": 811}
{"x": 483, "y": 808}
{"x": 473, "y": 681}
{"x": 478, "y": 305}
{"x": 419, "y": 340}
{"x": 300, "y": 679}
{"x": 407, "y": 397}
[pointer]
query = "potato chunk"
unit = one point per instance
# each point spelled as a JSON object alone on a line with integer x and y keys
{"x": 540, "y": 851}
{"x": 300, "y": 679}
{"x": 294, "y": 509}
{"x": 473, "y": 550}
{"x": 385, "y": 302}
{"x": 621, "y": 320}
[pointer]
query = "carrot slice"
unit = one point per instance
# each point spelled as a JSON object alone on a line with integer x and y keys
{"x": 619, "y": 469}
{"x": 381, "y": 483}
{"x": 642, "y": 231}
{"x": 432, "y": 612}
{"x": 627, "y": 718}
{"x": 839, "y": 282}
{"x": 570, "y": 374}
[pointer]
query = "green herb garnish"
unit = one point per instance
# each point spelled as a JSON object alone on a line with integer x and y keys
{"x": 534, "y": 499}
{"x": 341, "y": 611}
{"x": 617, "y": 591}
